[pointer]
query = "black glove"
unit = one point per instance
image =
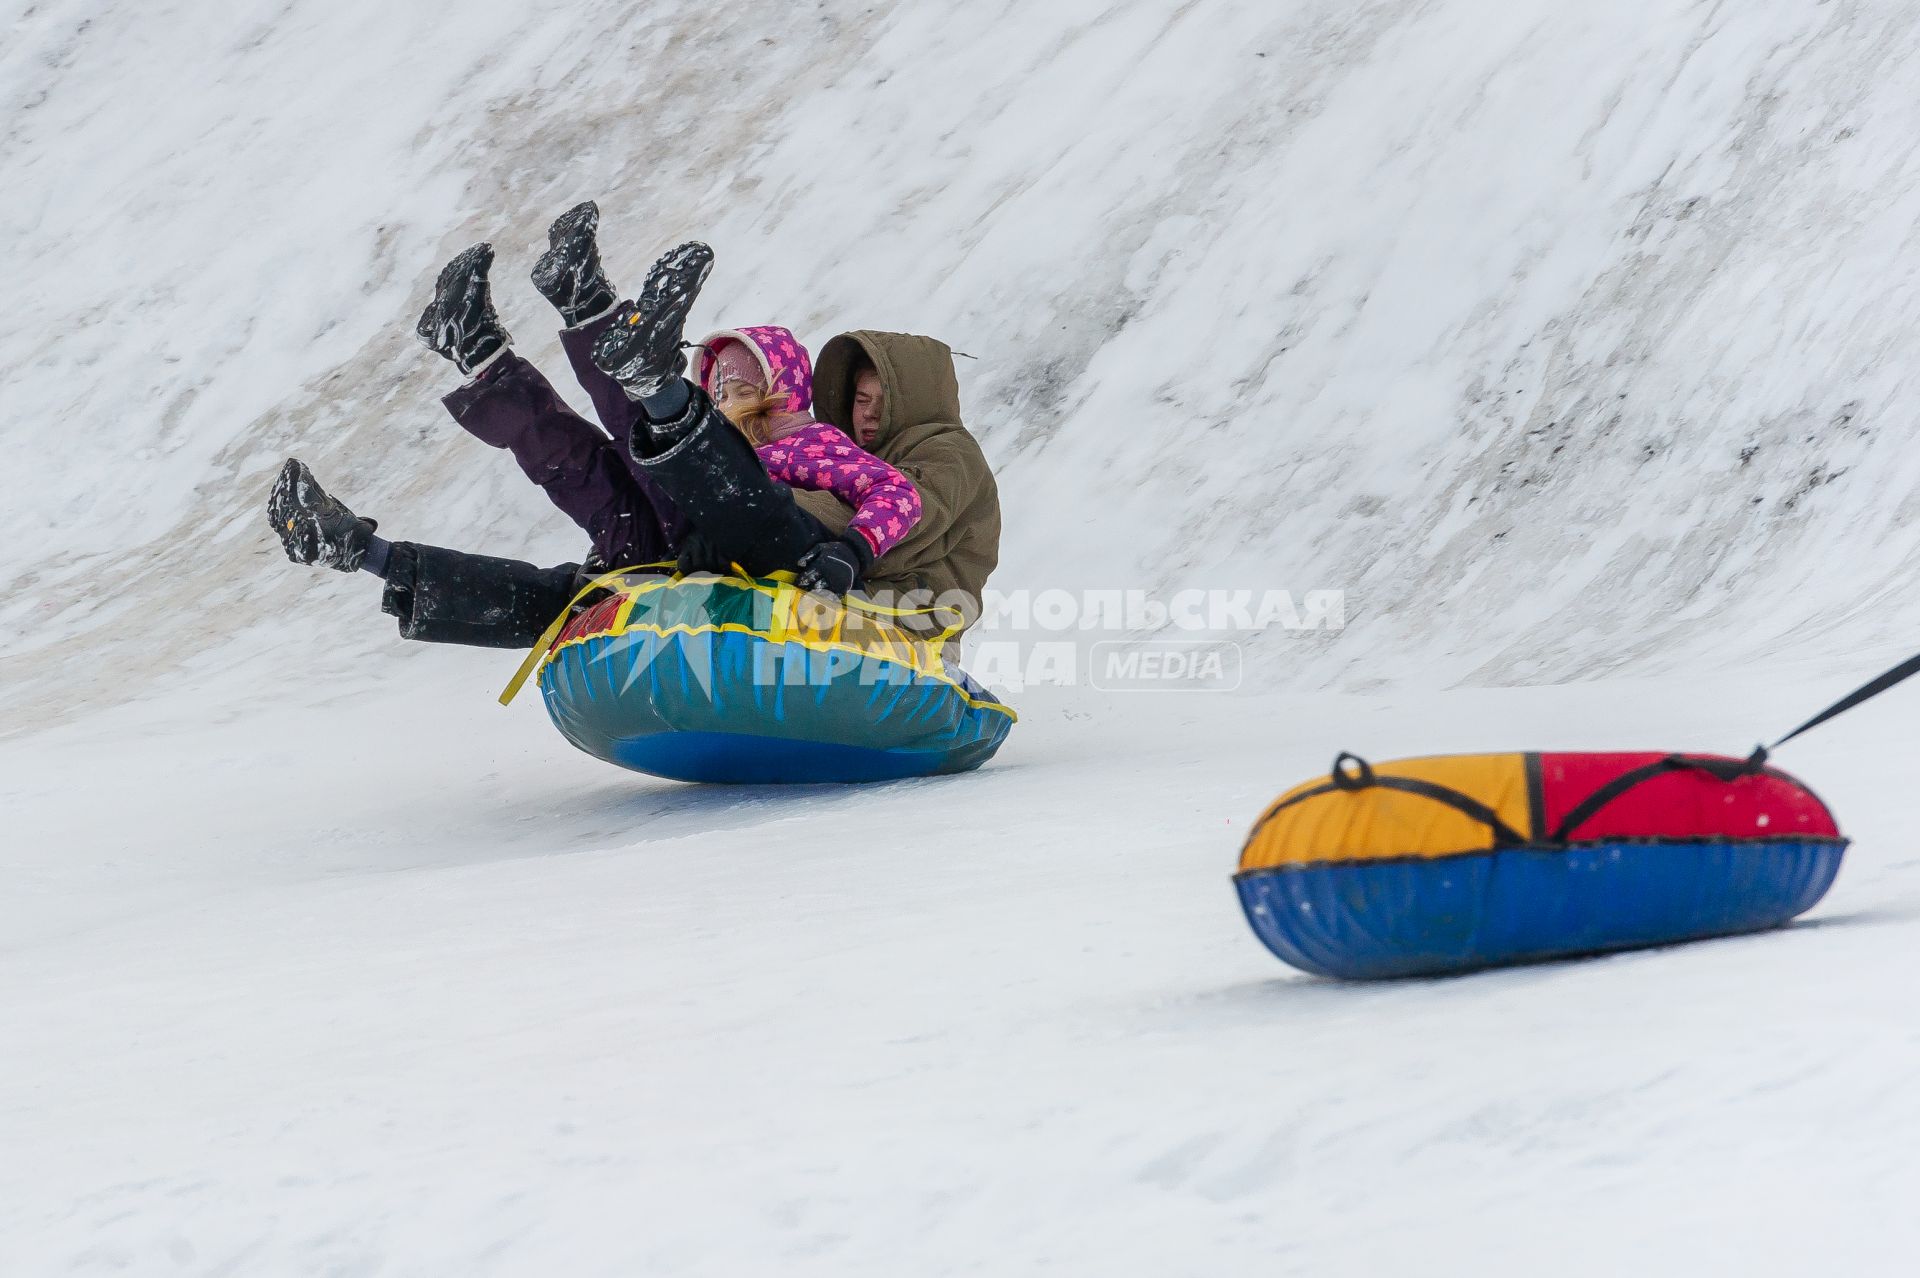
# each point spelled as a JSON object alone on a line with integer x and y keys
{"x": 698, "y": 554}
{"x": 835, "y": 567}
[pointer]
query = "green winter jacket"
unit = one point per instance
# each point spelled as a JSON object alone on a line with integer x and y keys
{"x": 956, "y": 544}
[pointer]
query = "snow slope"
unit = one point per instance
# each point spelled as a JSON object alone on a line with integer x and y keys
{"x": 1549, "y": 333}
{"x": 481, "y": 1007}
{"x": 1570, "y": 341}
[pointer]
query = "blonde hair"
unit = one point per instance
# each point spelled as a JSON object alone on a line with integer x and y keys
{"x": 752, "y": 410}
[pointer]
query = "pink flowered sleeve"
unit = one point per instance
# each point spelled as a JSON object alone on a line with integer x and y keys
{"x": 885, "y": 503}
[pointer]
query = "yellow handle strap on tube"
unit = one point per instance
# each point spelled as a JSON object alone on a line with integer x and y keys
{"x": 786, "y": 577}
{"x": 882, "y": 610}
{"x": 546, "y": 640}
{"x": 854, "y": 603}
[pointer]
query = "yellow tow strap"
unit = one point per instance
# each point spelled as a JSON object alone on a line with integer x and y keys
{"x": 545, "y": 641}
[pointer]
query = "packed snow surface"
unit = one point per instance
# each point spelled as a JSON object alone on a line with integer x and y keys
{"x": 1570, "y": 341}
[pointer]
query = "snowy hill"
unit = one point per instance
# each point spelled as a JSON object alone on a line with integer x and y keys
{"x": 1570, "y": 341}
{"x": 1547, "y": 334}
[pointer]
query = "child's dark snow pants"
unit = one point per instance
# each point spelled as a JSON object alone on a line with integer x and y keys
{"x": 637, "y": 510}
{"x": 587, "y": 475}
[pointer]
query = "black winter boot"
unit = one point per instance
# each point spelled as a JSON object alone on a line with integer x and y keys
{"x": 569, "y": 274}
{"x": 459, "y": 323}
{"x": 642, "y": 349}
{"x": 314, "y": 526}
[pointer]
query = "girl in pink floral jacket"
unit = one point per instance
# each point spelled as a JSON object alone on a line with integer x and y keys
{"x": 761, "y": 379}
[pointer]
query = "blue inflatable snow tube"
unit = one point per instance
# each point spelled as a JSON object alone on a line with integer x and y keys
{"x": 720, "y": 679}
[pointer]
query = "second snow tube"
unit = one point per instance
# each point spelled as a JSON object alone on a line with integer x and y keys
{"x": 1422, "y": 867}
{"x": 725, "y": 679}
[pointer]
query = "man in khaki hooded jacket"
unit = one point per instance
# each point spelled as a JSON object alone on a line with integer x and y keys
{"x": 915, "y": 427}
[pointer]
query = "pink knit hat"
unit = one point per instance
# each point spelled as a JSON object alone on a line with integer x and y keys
{"x": 766, "y": 355}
